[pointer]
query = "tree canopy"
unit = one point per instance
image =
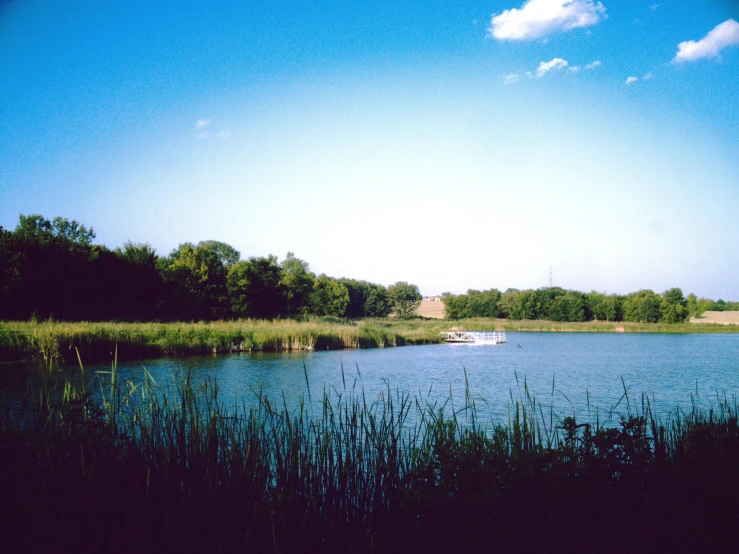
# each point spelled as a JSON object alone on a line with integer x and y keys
{"x": 52, "y": 268}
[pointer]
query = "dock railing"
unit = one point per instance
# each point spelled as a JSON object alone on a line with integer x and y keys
{"x": 479, "y": 337}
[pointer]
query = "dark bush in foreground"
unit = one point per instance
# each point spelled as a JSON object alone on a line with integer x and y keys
{"x": 142, "y": 471}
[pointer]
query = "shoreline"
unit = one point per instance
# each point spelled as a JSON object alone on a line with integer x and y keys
{"x": 52, "y": 342}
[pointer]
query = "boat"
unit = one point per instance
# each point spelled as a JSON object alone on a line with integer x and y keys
{"x": 473, "y": 337}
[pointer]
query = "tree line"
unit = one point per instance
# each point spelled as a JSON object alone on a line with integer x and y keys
{"x": 557, "y": 304}
{"x": 51, "y": 268}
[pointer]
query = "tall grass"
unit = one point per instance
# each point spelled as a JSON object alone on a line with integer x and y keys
{"x": 137, "y": 467}
{"x": 55, "y": 341}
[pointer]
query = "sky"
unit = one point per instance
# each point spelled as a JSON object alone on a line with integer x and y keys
{"x": 454, "y": 145}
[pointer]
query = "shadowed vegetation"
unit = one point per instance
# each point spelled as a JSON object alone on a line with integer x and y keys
{"x": 52, "y": 269}
{"x": 134, "y": 468}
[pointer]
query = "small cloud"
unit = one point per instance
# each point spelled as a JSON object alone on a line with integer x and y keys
{"x": 202, "y": 123}
{"x": 546, "y": 67}
{"x": 474, "y": 22}
{"x": 537, "y": 18}
{"x": 593, "y": 65}
{"x": 574, "y": 69}
{"x": 529, "y": 75}
{"x": 654, "y": 7}
{"x": 631, "y": 80}
{"x": 224, "y": 135}
{"x": 510, "y": 79}
{"x": 721, "y": 36}
{"x": 647, "y": 77}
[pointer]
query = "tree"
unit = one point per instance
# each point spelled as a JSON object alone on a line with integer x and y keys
{"x": 613, "y": 307}
{"x": 568, "y": 307}
{"x": 642, "y": 306}
{"x": 297, "y": 283}
{"x": 195, "y": 279}
{"x": 140, "y": 283}
{"x": 49, "y": 271}
{"x": 72, "y": 231}
{"x": 225, "y": 253}
{"x": 256, "y": 289}
{"x": 475, "y": 303}
{"x": 36, "y": 228}
{"x": 673, "y": 307}
{"x": 696, "y": 306}
{"x": 405, "y": 299}
{"x": 455, "y": 305}
{"x": 9, "y": 272}
{"x": 482, "y": 304}
{"x": 329, "y": 297}
{"x": 366, "y": 299}
{"x": 377, "y": 301}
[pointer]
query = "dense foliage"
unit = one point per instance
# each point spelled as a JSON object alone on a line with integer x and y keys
{"x": 51, "y": 269}
{"x": 557, "y": 304}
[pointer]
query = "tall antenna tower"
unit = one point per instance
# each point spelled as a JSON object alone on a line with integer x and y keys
{"x": 550, "y": 276}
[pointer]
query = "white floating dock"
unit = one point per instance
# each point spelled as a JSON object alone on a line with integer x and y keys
{"x": 473, "y": 337}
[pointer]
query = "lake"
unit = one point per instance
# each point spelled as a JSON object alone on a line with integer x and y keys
{"x": 575, "y": 373}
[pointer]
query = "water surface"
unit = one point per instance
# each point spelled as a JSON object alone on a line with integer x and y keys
{"x": 576, "y": 373}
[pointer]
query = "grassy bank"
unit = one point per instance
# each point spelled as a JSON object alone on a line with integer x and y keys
{"x": 143, "y": 472}
{"x": 610, "y": 327}
{"x": 55, "y": 341}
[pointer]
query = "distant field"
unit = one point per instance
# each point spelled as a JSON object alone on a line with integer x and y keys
{"x": 722, "y": 318}
{"x": 431, "y": 309}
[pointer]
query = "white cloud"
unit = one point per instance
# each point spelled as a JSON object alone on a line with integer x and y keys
{"x": 510, "y": 79}
{"x": 225, "y": 134}
{"x": 654, "y": 7}
{"x": 647, "y": 77}
{"x": 593, "y": 65}
{"x": 722, "y": 35}
{"x": 631, "y": 80}
{"x": 574, "y": 69}
{"x": 202, "y": 123}
{"x": 546, "y": 67}
{"x": 537, "y": 18}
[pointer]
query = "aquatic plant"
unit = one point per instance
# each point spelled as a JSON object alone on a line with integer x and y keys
{"x": 168, "y": 467}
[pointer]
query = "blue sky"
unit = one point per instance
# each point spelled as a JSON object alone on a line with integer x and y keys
{"x": 454, "y": 145}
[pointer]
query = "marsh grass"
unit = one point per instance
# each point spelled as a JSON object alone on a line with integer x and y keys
{"x": 118, "y": 466}
{"x": 56, "y": 341}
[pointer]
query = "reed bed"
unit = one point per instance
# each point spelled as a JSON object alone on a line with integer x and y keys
{"x": 55, "y": 341}
{"x": 116, "y": 466}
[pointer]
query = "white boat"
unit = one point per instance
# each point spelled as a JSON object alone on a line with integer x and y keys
{"x": 473, "y": 337}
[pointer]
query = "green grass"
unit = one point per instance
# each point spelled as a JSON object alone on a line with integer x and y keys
{"x": 53, "y": 341}
{"x": 136, "y": 469}
{"x": 610, "y": 327}
{"x": 56, "y": 341}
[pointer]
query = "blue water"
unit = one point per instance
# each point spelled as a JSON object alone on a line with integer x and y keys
{"x": 575, "y": 373}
